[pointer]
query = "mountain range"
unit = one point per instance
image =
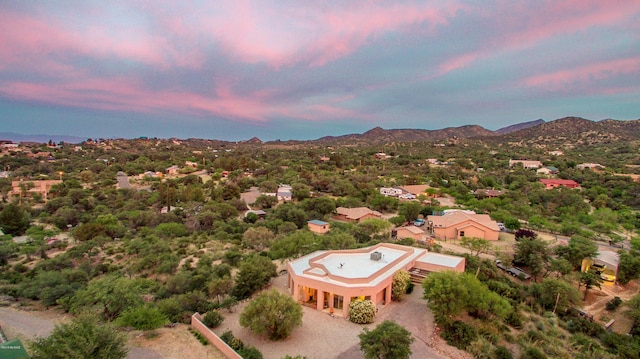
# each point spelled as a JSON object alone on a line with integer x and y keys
{"x": 572, "y": 129}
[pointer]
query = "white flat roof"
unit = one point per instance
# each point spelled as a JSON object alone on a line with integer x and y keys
{"x": 440, "y": 259}
{"x": 355, "y": 265}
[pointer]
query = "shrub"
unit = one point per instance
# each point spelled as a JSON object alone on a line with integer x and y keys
{"x": 401, "y": 281}
{"x": 250, "y": 353}
{"x": 614, "y": 303}
{"x": 362, "y": 311}
{"x": 212, "y": 319}
{"x": 459, "y": 334}
{"x": 533, "y": 353}
{"x": 502, "y": 353}
{"x": 235, "y": 343}
{"x": 142, "y": 318}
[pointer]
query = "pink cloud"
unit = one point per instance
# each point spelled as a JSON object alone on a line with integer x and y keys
{"x": 587, "y": 73}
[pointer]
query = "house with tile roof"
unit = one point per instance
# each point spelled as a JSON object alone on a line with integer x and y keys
{"x": 355, "y": 214}
{"x": 458, "y": 224}
{"x": 555, "y": 183}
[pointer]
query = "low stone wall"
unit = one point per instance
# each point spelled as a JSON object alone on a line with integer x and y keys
{"x": 196, "y": 323}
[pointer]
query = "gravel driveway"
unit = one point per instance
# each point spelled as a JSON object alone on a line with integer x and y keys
{"x": 324, "y": 337}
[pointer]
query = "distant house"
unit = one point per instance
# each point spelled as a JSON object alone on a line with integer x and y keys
{"x": 525, "y": 163}
{"x": 389, "y": 191}
{"x": 412, "y": 232}
{"x": 458, "y": 224}
{"x": 418, "y": 189}
{"x": 488, "y": 193}
{"x": 173, "y": 170}
{"x": 355, "y": 214}
{"x": 591, "y": 166}
{"x": 547, "y": 170}
{"x": 284, "y": 193}
{"x": 191, "y": 164}
{"x": 41, "y": 187}
{"x": 258, "y": 212}
{"x": 318, "y": 226}
{"x": 555, "y": 183}
{"x": 556, "y": 153}
{"x": 380, "y": 156}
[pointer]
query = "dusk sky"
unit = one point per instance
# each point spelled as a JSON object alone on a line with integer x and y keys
{"x": 282, "y": 69}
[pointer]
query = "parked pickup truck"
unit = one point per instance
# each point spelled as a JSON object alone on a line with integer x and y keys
{"x": 514, "y": 271}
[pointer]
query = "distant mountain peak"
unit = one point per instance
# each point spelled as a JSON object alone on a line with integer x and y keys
{"x": 519, "y": 126}
{"x": 254, "y": 140}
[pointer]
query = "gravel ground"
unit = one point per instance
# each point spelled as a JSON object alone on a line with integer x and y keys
{"x": 325, "y": 337}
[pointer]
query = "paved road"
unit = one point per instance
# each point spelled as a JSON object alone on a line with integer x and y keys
{"x": 27, "y": 325}
{"x": 123, "y": 180}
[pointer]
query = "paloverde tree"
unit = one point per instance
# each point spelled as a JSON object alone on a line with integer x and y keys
{"x": 387, "y": 341}
{"x": 255, "y": 273}
{"x": 82, "y": 338}
{"x": 272, "y": 313}
{"x": 533, "y": 253}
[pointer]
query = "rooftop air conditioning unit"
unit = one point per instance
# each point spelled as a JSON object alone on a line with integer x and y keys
{"x": 376, "y": 256}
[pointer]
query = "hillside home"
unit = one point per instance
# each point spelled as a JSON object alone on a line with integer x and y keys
{"x": 488, "y": 193}
{"x": 41, "y": 187}
{"x": 458, "y": 224}
{"x": 418, "y": 189}
{"x": 547, "y": 170}
{"x": 284, "y": 193}
{"x": 318, "y": 226}
{"x": 412, "y": 232}
{"x": 331, "y": 280}
{"x": 191, "y": 164}
{"x": 389, "y": 191}
{"x": 525, "y": 164}
{"x": 355, "y": 214}
{"x": 173, "y": 170}
{"x": 555, "y": 183}
{"x": 591, "y": 166}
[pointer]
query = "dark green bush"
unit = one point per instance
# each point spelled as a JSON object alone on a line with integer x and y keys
{"x": 502, "y": 353}
{"x": 614, "y": 303}
{"x": 250, "y": 353}
{"x": 212, "y": 319}
{"x": 459, "y": 334}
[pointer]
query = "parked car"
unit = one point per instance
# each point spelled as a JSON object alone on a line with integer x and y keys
{"x": 598, "y": 268}
{"x": 514, "y": 271}
{"x": 609, "y": 275}
{"x": 418, "y": 222}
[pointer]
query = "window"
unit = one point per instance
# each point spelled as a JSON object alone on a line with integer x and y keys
{"x": 461, "y": 233}
{"x": 338, "y": 301}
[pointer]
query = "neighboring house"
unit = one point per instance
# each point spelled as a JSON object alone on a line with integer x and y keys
{"x": 591, "y": 166}
{"x": 525, "y": 163}
{"x": 173, "y": 170}
{"x": 556, "y": 153}
{"x": 318, "y": 226}
{"x": 407, "y": 196}
{"x": 381, "y": 156}
{"x": 555, "y": 183}
{"x": 393, "y": 192}
{"x": 355, "y": 214}
{"x": 331, "y": 280}
{"x": 37, "y": 186}
{"x": 488, "y": 193}
{"x": 418, "y": 189}
{"x": 260, "y": 213}
{"x": 412, "y": 232}
{"x": 458, "y": 224}
{"x": 191, "y": 164}
{"x": 284, "y": 193}
{"x": 547, "y": 170}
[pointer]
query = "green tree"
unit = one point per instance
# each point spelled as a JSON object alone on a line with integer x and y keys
{"x": 409, "y": 210}
{"x": 80, "y": 339}
{"x": 578, "y": 249}
{"x": 109, "y": 295}
{"x": 14, "y": 220}
{"x": 589, "y": 280}
{"x": 387, "y": 341}
{"x": 476, "y": 245}
{"x": 272, "y": 313}
{"x": 254, "y": 274}
{"x": 145, "y": 317}
{"x": 257, "y": 238}
{"x": 533, "y": 253}
{"x": 554, "y": 294}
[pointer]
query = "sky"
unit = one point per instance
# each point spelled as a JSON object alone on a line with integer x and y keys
{"x": 297, "y": 69}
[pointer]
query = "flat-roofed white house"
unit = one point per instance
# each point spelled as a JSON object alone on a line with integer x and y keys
{"x": 330, "y": 279}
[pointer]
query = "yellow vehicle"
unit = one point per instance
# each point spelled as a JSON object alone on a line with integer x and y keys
{"x": 608, "y": 275}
